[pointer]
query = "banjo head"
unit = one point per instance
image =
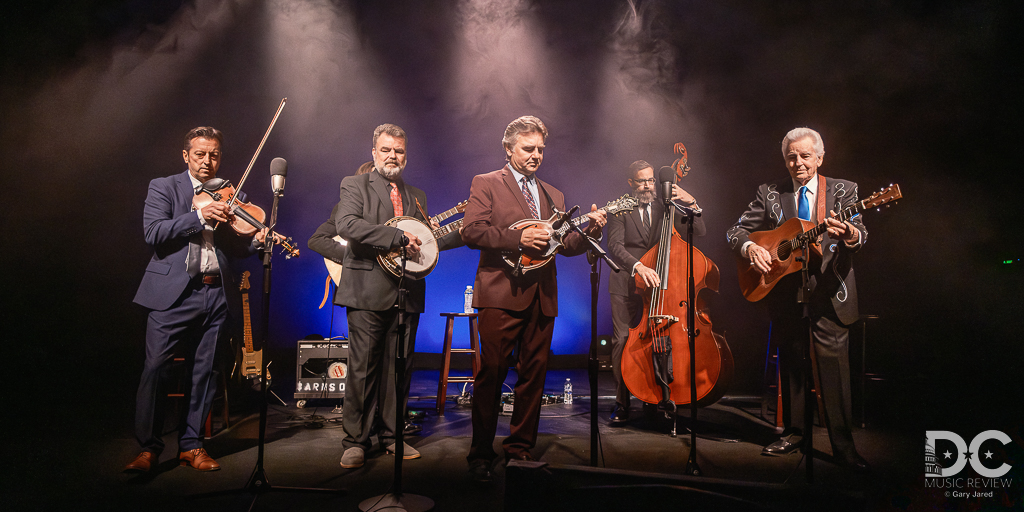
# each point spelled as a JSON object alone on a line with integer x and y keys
{"x": 424, "y": 262}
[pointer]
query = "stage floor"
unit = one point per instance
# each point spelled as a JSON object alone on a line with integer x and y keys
{"x": 81, "y": 468}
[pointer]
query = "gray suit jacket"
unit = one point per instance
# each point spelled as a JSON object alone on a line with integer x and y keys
{"x": 833, "y": 281}
{"x": 364, "y": 207}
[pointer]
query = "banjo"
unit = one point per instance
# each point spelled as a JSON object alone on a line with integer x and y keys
{"x": 425, "y": 261}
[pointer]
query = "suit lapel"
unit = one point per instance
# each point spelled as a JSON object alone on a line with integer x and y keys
{"x": 184, "y": 184}
{"x": 787, "y": 197}
{"x": 638, "y": 223}
{"x": 379, "y": 185}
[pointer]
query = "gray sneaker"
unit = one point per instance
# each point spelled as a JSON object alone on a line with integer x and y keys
{"x": 353, "y": 457}
{"x": 408, "y": 451}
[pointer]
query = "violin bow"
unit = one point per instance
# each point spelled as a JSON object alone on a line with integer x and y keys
{"x": 270, "y": 128}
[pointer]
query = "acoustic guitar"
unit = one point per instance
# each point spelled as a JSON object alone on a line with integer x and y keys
{"x": 785, "y": 243}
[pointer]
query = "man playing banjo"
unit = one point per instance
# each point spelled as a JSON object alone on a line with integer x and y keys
{"x": 370, "y": 293}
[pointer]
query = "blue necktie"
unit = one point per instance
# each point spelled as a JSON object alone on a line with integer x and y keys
{"x": 804, "y": 209}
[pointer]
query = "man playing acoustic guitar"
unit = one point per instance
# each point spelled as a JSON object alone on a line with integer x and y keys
{"x": 832, "y": 304}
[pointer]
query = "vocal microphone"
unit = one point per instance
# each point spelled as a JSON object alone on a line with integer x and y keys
{"x": 564, "y": 218}
{"x": 666, "y": 176}
{"x": 278, "y": 170}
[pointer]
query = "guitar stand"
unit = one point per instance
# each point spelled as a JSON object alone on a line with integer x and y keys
{"x": 803, "y": 297}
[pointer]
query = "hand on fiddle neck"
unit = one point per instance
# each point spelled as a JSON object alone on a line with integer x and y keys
{"x": 216, "y": 211}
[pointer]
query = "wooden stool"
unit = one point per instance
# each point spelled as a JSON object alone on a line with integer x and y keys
{"x": 446, "y": 354}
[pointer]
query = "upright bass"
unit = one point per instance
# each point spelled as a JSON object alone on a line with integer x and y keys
{"x": 656, "y": 358}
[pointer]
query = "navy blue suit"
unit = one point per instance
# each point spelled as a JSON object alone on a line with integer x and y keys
{"x": 184, "y": 311}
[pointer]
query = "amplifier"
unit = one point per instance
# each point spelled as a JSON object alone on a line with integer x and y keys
{"x": 321, "y": 367}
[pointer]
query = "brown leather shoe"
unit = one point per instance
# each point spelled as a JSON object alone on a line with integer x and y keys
{"x": 198, "y": 459}
{"x": 143, "y": 463}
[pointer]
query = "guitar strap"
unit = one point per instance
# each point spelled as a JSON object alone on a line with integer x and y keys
{"x": 820, "y": 196}
{"x": 423, "y": 213}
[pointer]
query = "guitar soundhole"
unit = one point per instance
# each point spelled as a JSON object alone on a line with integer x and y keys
{"x": 784, "y": 251}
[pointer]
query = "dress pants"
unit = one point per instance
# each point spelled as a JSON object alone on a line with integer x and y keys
{"x": 528, "y": 333}
{"x": 195, "y": 322}
{"x": 373, "y": 343}
{"x": 626, "y": 313}
{"x": 831, "y": 350}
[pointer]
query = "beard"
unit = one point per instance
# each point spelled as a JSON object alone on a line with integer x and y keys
{"x": 645, "y": 196}
{"x": 389, "y": 171}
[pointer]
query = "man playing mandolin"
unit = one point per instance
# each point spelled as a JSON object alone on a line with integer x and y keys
{"x": 832, "y": 304}
{"x": 517, "y": 310}
{"x": 630, "y": 236}
{"x": 192, "y": 293}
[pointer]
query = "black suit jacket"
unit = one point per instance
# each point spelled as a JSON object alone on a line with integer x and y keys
{"x": 364, "y": 207}
{"x": 627, "y": 243}
{"x": 834, "y": 286}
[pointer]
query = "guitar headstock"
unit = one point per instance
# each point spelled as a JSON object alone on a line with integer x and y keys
{"x": 461, "y": 207}
{"x": 245, "y": 281}
{"x": 621, "y": 205}
{"x": 887, "y": 195}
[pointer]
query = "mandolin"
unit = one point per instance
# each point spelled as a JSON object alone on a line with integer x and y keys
{"x": 784, "y": 244}
{"x": 529, "y": 260}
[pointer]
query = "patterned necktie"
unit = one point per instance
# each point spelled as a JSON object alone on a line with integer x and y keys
{"x": 645, "y": 216}
{"x": 529, "y": 200}
{"x": 396, "y": 200}
{"x": 804, "y": 209}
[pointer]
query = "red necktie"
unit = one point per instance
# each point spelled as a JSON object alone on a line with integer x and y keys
{"x": 396, "y": 200}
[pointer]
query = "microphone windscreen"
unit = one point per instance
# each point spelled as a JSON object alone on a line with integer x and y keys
{"x": 666, "y": 174}
{"x": 279, "y": 167}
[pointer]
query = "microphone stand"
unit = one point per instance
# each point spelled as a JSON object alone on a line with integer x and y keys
{"x": 594, "y": 255}
{"x": 692, "y": 468}
{"x": 258, "y": 482}
{"x": 398, "y": 500}
{"x": 803, "y": 297}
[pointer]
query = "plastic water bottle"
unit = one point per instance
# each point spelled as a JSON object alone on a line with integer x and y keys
{"x": 567, "y": 393}
{"x": 468, "y": 306}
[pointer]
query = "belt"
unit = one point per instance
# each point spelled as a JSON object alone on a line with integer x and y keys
{"x": 210, "y": 279}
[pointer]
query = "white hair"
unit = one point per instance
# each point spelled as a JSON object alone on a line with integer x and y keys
{"x": 799, "y": 133}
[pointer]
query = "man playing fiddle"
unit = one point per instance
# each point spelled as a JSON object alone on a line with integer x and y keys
{"x": 191, "y": 290}
{"x": 833, "y": 298}
{"x": 517, "y": 312}
{"x": 630, "y": 236}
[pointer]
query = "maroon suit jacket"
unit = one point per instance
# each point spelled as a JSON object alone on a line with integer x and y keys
{"x": 495, "y": 203}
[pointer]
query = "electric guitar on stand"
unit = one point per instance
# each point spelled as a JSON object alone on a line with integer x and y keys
{"x": 251, "y": 361}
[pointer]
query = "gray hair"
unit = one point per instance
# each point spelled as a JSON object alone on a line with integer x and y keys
{"x": 391, "y": 129}
{"x": 799, "y": 133}
{"x": 205, "y": 132}
{"x": 523, "y": 124}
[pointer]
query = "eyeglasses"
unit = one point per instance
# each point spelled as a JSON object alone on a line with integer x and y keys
{"x": 641, "y": 182}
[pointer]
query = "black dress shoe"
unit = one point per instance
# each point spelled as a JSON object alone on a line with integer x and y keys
{"x": 480, "y": 471}
{"x": 620, "y": 415}
{"x": 521, "y": 455}
{"x": 854, "y": 463}
{"x": 788, "y": 444}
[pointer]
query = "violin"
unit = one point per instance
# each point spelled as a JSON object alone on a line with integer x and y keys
{"x": 656, "y": 358}
{"x": 248, "y": 218}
